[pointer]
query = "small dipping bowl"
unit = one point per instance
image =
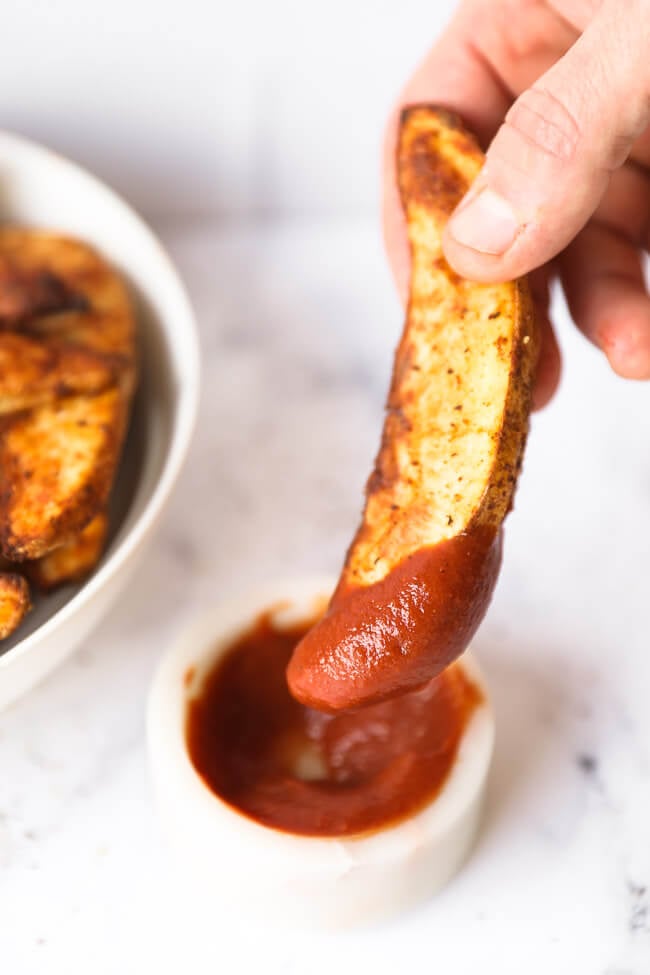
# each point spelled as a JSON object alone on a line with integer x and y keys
{"x": 236, "y": 864}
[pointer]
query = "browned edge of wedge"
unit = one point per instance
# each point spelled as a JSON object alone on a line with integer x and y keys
{"x": 15, "y": 602}
{"x": 72, "y": 561}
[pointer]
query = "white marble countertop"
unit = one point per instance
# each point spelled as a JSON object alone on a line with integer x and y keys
{"x": 297, "y": 324}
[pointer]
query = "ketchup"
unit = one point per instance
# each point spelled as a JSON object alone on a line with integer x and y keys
{"x": 377, "y": 641}
{"x": 302, "y": 771}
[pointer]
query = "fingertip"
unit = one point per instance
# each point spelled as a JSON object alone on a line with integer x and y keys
{"x": 548, "y": 377}
{"x": 627, "y": 347}
{"x": 395, "y": 232}
{"x": 400, "y": 264}
{"x": 549, "y": 367}
{"x": 474, "y": 265}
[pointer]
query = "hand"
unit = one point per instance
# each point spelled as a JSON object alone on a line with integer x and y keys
{"x": 560, "y": 92}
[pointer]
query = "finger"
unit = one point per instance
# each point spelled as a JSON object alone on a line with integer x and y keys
{"x": 549, "y": 368}
{"x": 520, "y": 44}
{"x": 550, "y": 163}
{"x": 549, "y": 364}
{"x": 625, "y": 207}
{"x": 454, "y": 75}
{"x": 578, "y": 13}
{"x": 603, "y": 280}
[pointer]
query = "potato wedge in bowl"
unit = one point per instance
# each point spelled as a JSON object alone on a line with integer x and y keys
{"x": 72, "y": 561}
{"x": 67, "y": 375}
{"x": 421, "y": 569}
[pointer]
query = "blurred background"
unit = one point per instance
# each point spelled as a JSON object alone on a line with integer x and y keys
{"x": 245, "y": 109}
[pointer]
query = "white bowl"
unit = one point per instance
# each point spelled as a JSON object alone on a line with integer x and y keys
{"x": 39, "y": 188}
{"x": 230, "y": 863}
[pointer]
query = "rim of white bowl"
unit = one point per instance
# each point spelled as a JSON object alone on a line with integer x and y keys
{"x": 183, "y": 411}
{"x": 198, "y": 646}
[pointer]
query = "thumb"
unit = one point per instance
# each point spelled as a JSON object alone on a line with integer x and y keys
{"x": 550, "y": 162}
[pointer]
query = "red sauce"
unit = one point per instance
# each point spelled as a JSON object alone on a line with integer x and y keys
{"x": 302, "y": 771}
{"x": 377, "y": 641}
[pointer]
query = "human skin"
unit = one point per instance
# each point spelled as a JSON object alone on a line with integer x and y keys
{"x": 558, "y": 92}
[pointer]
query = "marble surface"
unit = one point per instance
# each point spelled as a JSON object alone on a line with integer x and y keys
{"x": 297, "y": 324}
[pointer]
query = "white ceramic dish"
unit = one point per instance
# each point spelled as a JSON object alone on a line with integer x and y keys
{"x": 228, "y": 862}
{"x": 39, "y": 188}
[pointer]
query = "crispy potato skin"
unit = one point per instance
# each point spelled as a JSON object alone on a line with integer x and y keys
{"x": 72, "y": 561}
{"x": 68, "y": 364}
{"x": 14, "y": 602}
{"x": 421, "y": 569}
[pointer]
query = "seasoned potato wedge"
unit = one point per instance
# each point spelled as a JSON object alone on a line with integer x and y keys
{"x": 73, "y": 560}
{"x": 36, "y": 371}
{"x": 28, "y": 291}
{"x": 14, "y": 602}
{"x": 57, "y": 464}
{"x": 68, "y": 362}
{"x": 67, "y": 289}
{"x": 420, "y": 571}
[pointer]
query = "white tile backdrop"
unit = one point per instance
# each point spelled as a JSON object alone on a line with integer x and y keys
{"x": 237, "y": 107}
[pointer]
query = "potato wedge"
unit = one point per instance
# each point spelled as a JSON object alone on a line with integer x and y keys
{"x": 67, "y": 351}
{"x": 37, "y": 371}
{"x": 65, "y": 288}
{"x": 27, "y": 292}
{"x": 14, "y": 602}
{"x": 57, "y": 464}
{"x": 72, "y": 561}
{"x": 419, "y": 574}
